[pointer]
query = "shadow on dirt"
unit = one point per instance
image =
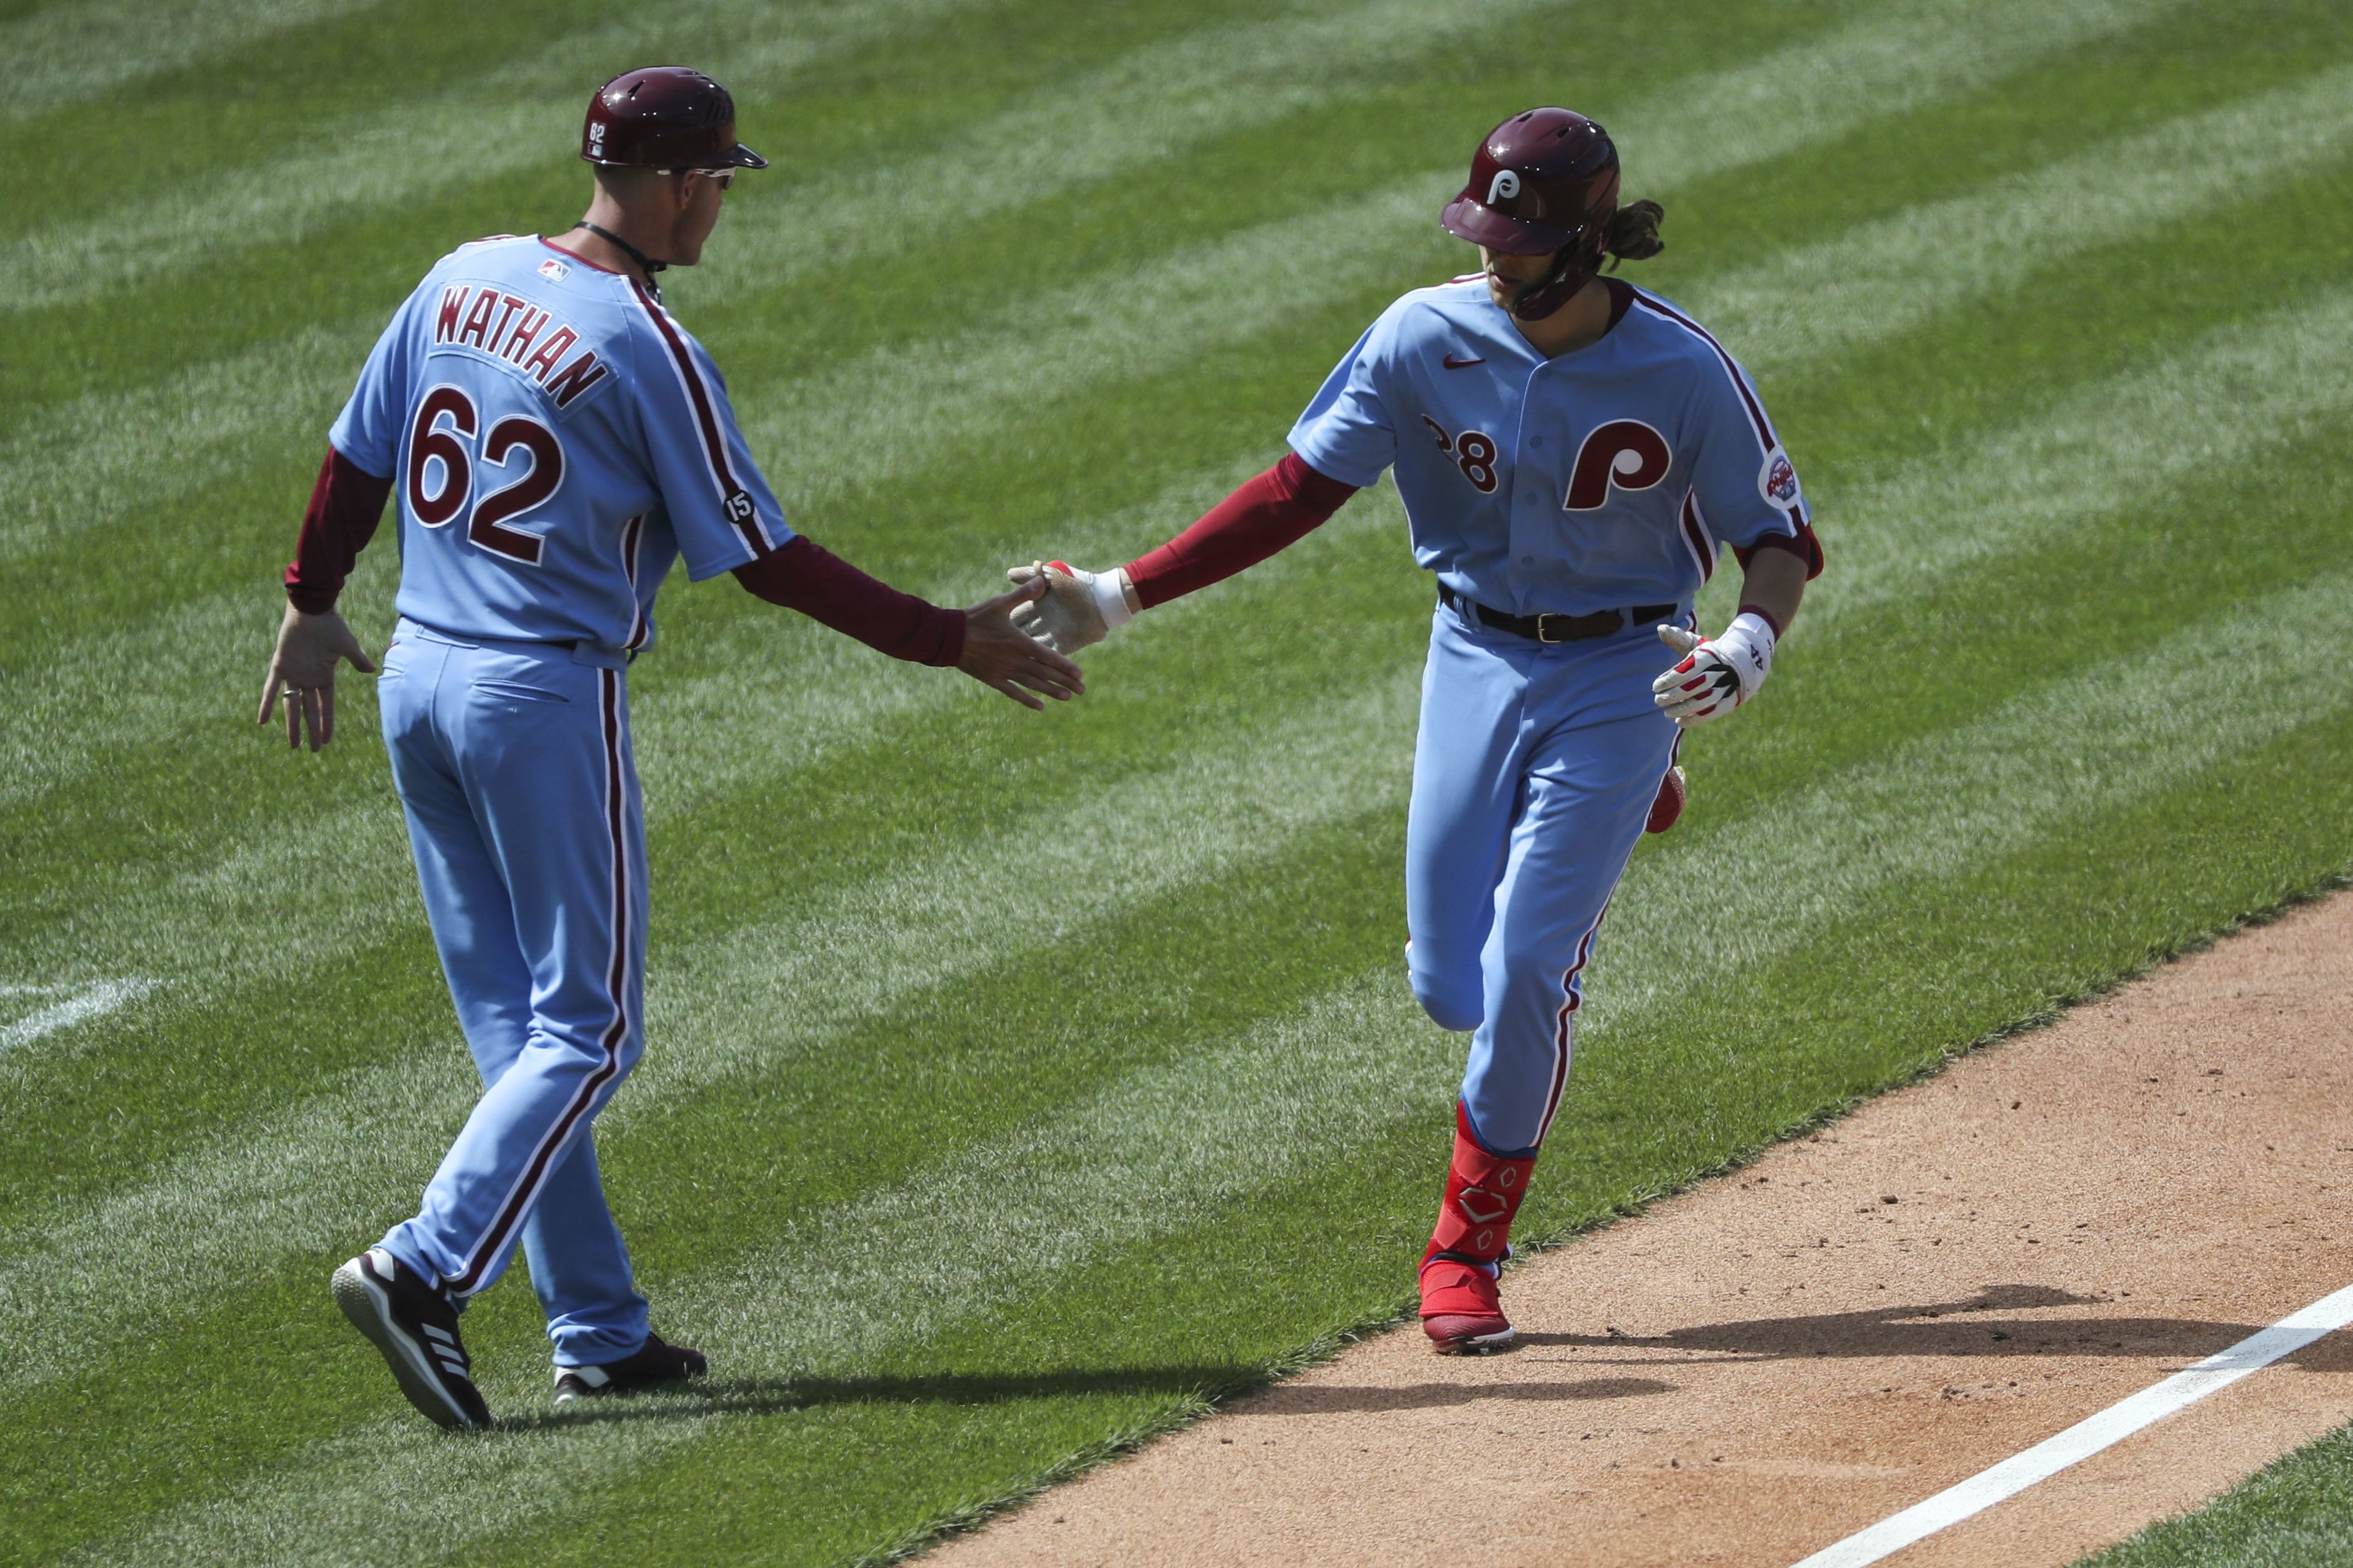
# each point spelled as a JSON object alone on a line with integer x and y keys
{"x": 1297, "y": 1399}
{"x": 1938, "y": 1329}
{"x": 1986, "y": 1325}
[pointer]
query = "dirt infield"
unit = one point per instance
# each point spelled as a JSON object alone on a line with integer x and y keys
{"x": 1762, "y": 1366}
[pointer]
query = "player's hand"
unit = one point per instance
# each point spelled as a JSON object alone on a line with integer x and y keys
{"x": 302, "y": 674}
{"x": 1079, "y": 608}
{"x": 999, "y": 654}
{"x": 1717, "y": 674}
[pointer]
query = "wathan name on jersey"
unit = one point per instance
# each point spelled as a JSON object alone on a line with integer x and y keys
{"x": 506, "y": 326}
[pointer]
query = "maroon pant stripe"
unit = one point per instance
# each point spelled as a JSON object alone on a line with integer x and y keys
{"x": 526, "y": 1191}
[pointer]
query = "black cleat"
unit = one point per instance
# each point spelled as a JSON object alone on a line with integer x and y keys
{"x": 653, "y": 1364}
{"x": 417, "y": 1329}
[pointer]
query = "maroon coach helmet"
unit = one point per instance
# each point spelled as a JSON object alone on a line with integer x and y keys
{"x": 664, "y": 117}
{"x": 1542, "y": 181}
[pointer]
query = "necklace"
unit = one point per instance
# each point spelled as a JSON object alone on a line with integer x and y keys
{"x": 639, "y": 257}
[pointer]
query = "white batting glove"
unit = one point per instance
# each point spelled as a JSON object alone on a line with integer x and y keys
{"x": 1715, "y": 674}
{"x": 1080, "y": 608}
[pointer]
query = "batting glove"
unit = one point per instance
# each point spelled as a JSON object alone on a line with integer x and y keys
{"x": 1718, "y": 674}
{"x": 1079, "y": 608}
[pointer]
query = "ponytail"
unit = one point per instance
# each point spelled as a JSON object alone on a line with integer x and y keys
{"x": 1633, "y": 234}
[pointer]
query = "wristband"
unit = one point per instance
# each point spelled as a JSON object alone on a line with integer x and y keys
{"x": 1761, "y": 628}
{"x": 1109, "y": 589}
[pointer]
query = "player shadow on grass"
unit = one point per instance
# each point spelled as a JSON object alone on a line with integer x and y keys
{"x": 721, "y": 1396}
{"x": 1956, "y": 1328}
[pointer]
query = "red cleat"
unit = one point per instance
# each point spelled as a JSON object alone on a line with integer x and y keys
{"x": 1460, "y": 1310}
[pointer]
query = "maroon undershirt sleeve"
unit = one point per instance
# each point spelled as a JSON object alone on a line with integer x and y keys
{"x": 806, "y": 577}
{"x": 1280, "y": 507}
{"x": 345, "y": 506}
{"x": 1804, "y": 545}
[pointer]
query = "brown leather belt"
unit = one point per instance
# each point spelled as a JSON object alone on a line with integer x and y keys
{"x": 1556, "y": 629}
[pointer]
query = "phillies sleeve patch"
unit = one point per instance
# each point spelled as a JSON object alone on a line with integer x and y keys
{"x": 1777, "y": 481}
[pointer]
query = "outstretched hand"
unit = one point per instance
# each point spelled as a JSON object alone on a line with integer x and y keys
{"x": 302, "y": 674}
{"x": 1078, "y": 609}
{"x": 999, "y": 654}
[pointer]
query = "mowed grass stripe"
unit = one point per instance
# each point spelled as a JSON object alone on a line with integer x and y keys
{"x": 345, "y": 881}
{"x": 294, "y": 1185}
{"x": 76, "y": 50}
{"x": 1778, "y": 312}
{"x": 1802, "y": 306}
{"x": 1144, "y": 1155}
{"x": 461, "y": 131}
{"x": 1165, "y": 1146}
{"x": 714, "y": 1005}
{"x": 2124, "y": 441}
{"x": 1154, "y": 103}
{"x": 2283, "y": 373}
{"x": 99, "y": 460}
{"x": 43, "y": 758}
{"x": 349, "y": 882}
{"x": 1066, "y": 135}
{"x": 324, "y": 865}
{"x": 957, "y": 390}
{"x": 808, "y": 1482}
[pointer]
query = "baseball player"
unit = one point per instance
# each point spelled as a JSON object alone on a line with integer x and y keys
{"x": 557, "y": 440}
{"x": 1572, "y": 452}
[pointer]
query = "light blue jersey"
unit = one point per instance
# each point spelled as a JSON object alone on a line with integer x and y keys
{"x": 1599, "y": 480}
{"x": 555, "y": 441}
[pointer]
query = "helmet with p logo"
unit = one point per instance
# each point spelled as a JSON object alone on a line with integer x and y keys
{"x": 1542, "y": 181}
{"x": 1546, "y": 180}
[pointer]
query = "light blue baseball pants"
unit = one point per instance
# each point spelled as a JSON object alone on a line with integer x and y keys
{"x": 514, "y": 768}
{"x": 1532, "y": 777}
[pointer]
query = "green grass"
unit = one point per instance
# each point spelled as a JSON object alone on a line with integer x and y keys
{"x": 2296, "y": 1512}
{"x": 1017, "y": 1085}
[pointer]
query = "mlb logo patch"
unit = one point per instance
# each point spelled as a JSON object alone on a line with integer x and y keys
{"x": 550, "y": 268}
{"x": 1777, "y": 480}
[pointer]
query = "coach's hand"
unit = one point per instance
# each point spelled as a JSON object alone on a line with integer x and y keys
{"x": 999, "y": 654}
{"x": 302, "y": 674}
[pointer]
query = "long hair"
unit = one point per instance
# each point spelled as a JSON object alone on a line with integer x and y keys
{"x": 1633, "y": 233}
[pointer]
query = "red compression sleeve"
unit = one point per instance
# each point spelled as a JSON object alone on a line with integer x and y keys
{"x": 345, "y": 506}
{"x": 1280, "y": 507}
{"x": 806, "y": 577}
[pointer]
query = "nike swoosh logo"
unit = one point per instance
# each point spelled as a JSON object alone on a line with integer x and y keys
{"x": 1453, "y": 364}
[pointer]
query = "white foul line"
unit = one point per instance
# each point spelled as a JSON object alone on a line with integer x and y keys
{"x": 91, "y": 1002}
{"x": 2088, "y": 1437}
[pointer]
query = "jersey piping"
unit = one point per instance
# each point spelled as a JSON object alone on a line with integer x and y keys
{"x": 631, "y": 533}
{"x": 1696, "y": 536}
{"x": 714, "y": 447}
{"x": 1769, "y": 443}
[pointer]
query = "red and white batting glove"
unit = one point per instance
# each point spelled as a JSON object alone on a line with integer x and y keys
{"x": 1715, "y": 674}
{"x": 1080, "y": 608}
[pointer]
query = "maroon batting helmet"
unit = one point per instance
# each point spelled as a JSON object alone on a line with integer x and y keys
{"x": 1542, "y": 181}
{"x": 664, "y": 117}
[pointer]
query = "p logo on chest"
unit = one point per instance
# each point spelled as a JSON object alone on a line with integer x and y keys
{"x": 1624, "y": 453}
